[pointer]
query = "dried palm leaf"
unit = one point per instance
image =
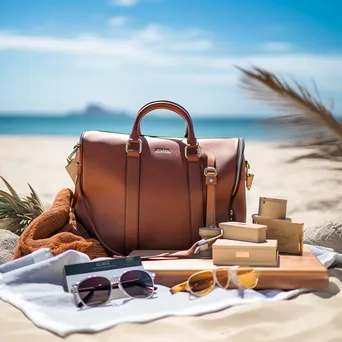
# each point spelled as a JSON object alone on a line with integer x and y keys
{"x": 16, "y": 213}
{"x": 304, "y": 116}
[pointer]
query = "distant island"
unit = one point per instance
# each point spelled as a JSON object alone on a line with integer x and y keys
{"x": 97, "y": 110}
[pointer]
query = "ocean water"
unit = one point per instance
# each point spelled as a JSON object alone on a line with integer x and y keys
{"x": 247, "y": 128}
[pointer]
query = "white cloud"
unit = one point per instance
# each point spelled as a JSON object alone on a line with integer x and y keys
{"x": 182, "y": 65}
{"x": 162, "y": 52}
{"x": 159, "y": 47}
{"x": 222, "y": 79}
{"x": 124, "y": 3}
{"x": 152, "y": 33}
{"x": 149, "y": 45}
{"x": 155, "y": 33}
{"x": 118, "y": 21}
{"x": 129, "y": 50}
{"x": 197, "y": 45}
{"x": 277, "y": 46}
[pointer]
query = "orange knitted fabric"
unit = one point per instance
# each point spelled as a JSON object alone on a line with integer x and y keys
{"x": 58, "y": 230}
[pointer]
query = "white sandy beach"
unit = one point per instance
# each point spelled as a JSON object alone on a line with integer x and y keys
{"x": 313, "y": 191}
{"x": 312, "y": 187}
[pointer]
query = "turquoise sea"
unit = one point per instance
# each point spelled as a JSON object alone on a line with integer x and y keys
{"x": 248, "y": 128}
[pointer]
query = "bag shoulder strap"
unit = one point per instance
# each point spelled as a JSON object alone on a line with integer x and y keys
{"x": 210, "y": 174}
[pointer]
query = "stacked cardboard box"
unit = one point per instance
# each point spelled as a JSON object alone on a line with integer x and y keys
{"x": 272, "y": 213}
{"x": 260, "y": 242}
{"x": 227, "y": 252}
{"x": 245, "y": 244}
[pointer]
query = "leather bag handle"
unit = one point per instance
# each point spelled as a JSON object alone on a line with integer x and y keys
{"x": 168, "y": 105}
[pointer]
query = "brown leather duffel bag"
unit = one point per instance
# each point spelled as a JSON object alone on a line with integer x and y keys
{"x": 145, "y": 192}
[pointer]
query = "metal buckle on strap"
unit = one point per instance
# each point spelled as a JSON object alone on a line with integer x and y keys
{"x": 131, "y": 141}
{"x": 198, "y": 154}
{"x": 211, "y": 170}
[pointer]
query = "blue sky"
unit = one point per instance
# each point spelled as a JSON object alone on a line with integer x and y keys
{"x": 60, "y": 55}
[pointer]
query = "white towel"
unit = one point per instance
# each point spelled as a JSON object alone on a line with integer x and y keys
{"x": 34, "y": 284}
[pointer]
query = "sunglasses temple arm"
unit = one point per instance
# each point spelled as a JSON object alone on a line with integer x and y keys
{"x": 78, "y": 303}
{"x": 178, "y": 288}
{"x": 234, "y": 278}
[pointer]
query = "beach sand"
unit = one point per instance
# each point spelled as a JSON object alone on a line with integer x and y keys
{"x": 312, "y": 187}
{"x": 313, "y": 191}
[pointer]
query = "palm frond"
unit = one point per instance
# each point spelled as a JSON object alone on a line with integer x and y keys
{"x": 11, "y": 190}
{"x": 303, "y": 115}
{"x": 10, "y": 199}
{"x": 17, "y": 212}
{"x": 35, "y": 198}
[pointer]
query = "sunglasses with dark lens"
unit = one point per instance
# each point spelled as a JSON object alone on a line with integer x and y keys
{"x": 97, "y": 290}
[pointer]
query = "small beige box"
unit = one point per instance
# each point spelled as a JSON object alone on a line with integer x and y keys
{"x": 272, "y": 207}
{"x": 288, "y": 234}
{"x": 232, "y": 252}
{"x": 250, "y": 232}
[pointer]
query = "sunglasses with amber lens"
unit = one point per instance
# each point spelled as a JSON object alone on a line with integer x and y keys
{"x": 203, "y": 282}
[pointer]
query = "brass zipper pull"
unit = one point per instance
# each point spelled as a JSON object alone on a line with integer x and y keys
{"x": 75, "y": 148}
{"x": 249, "y": 177}
{"x": 71, "y": 166}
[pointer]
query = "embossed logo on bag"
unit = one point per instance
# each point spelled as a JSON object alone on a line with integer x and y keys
{"x": 163, "y": 150}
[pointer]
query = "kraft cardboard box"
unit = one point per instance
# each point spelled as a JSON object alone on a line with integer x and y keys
{"x": 250, "y": 232}
{"x": 288, "y": 234}
{"x": 233, "y": 252}
{"x": 272, "y": 207}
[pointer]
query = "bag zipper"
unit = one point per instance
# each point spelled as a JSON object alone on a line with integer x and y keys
{"x": 241, "y": 150}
